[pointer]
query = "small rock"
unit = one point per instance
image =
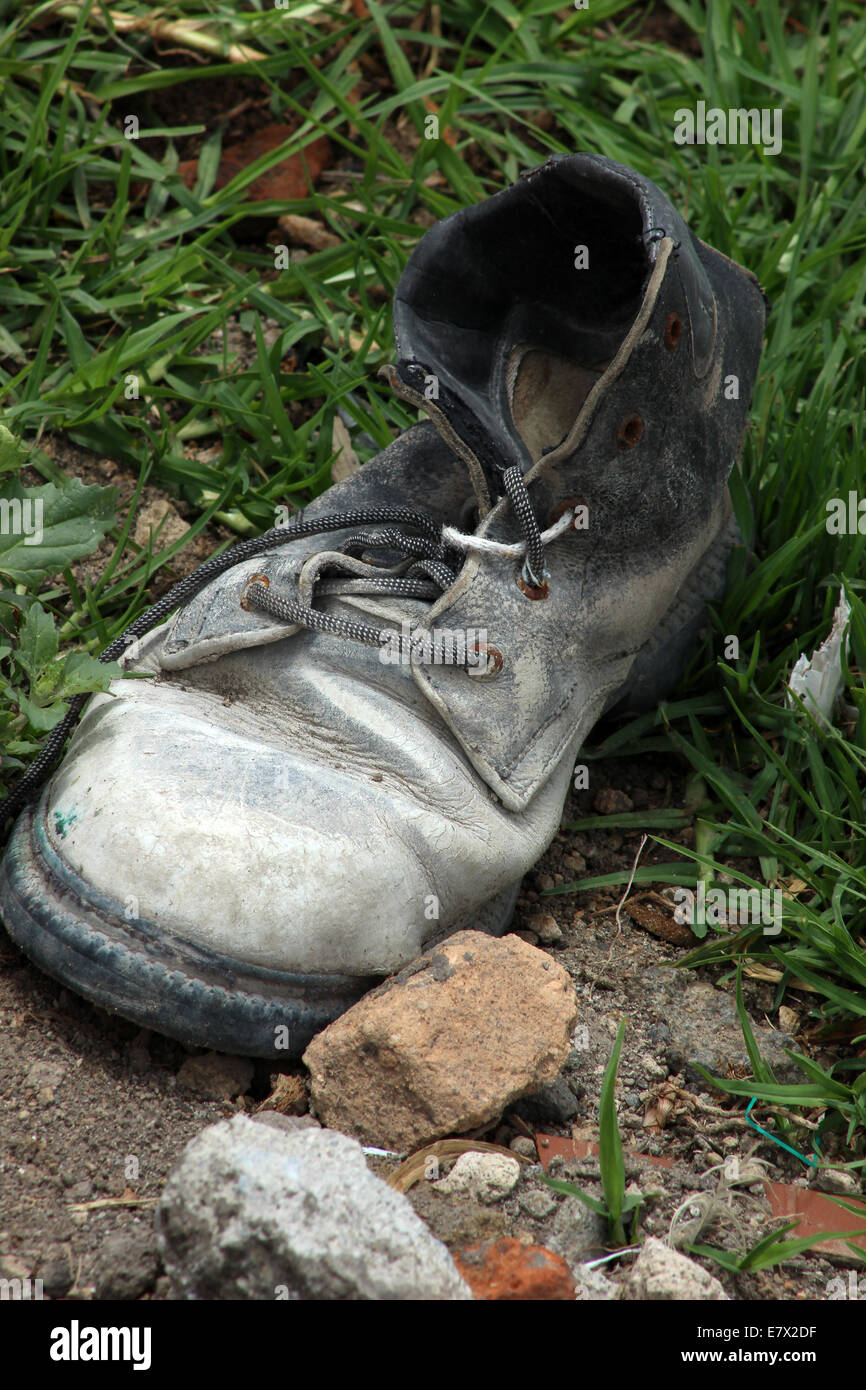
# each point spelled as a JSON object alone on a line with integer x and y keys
{"x": 538, "y": 1203}
{"x": 660, "y": 1274}
{"x": 508, "y": 1271}
{"x": 290, "y": 1124}
{"x": 704, "y": 1027}
{"x": 45, "y": 1075}
{"x": 159, "y": 520}
{"x": 486, "y": 1177}
{"x": 544, "y": 882}
{"x": 837, "y": 1181}
{"x": 591, "y": 1286}
{"x": 546, "y": 928}
{"x": 610, "y": 802}
{"x": 574, "y": 862}
{"x": 127, "y": 1265}
{"x": 577, "y": 1234}
{"x": 421, "y": 1057}
{"x": 57, "y": 1274}
{"x": 554, "y": 1103}
{"x": 216, "y": 1076}
{"x": 524, "y": 1146}
{"x": 251, "y": 1212}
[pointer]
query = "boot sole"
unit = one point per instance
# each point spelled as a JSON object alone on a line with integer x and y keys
{"x": 134, "y": 968}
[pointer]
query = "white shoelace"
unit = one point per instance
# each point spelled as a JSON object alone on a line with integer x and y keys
{"x": 458, "y": 540}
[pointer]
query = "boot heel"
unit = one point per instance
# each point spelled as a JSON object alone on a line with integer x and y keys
{"x": 662, "y": 660}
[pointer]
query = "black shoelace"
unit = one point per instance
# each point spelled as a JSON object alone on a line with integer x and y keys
{"x": 428, "y": 566}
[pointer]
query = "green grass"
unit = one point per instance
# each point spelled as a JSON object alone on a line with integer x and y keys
{"x": 619, "y": 1208}
{"x": 98, "y": 288}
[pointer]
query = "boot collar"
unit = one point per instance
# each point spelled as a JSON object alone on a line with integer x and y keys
{"x": 495, "y": 281}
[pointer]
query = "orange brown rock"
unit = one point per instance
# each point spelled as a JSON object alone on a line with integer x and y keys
{"x": 446, "y": 1045}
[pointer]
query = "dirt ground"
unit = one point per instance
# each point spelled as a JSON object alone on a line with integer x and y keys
{"x": 96, "y": 1112}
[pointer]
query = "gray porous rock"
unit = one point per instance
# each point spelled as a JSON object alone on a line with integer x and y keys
{"x": 253, "y": 1212}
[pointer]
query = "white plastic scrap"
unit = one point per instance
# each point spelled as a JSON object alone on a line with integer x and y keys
{"x": 817, "y": 682}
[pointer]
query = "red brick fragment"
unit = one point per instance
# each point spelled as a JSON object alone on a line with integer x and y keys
{"x": 507, "y": 1271}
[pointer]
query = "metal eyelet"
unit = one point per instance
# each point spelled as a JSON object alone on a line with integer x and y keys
{"x": 254, "y": 579}
{"x": 673, "y": 332}
{"x": 629, "y": 432}
{"x": 495, "y": 662}
{"x": 533, "y": 591}
{"x": 569, "y": 505}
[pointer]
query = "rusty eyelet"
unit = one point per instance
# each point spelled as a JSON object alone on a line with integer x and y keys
{"x": 629, "y": 432}
{"x": 254, "y": 579}
{"x": 495, "y": 662}
{"x": 673, "y": 331}
{"x": 569, "y": 505}
{"x": 533, "y": 591}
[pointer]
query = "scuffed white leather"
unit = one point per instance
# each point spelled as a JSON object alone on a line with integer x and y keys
{"x": 286, "y": 799}
{"x": 307, "y": 838}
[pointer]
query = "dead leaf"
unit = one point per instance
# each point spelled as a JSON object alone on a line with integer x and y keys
{"x": 127, "y": 1199}
{"x": 794, "y": 886}
{"x": 756, "y": 971}
{"x": 346, "y": 461}
{"x": 308, "y": 231}
{"x": 289, "y": 1096}
{"x": 189, "y": 33}
{"x": 413, "y": 1169}
{"x": 661, "y": 924}
{"x": 286, "y": 181}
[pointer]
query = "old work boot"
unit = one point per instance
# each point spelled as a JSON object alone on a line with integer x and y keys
{"x": 361, "y": 727}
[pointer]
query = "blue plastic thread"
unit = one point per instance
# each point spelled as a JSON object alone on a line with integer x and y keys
{"x": 812, "y": 1162}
